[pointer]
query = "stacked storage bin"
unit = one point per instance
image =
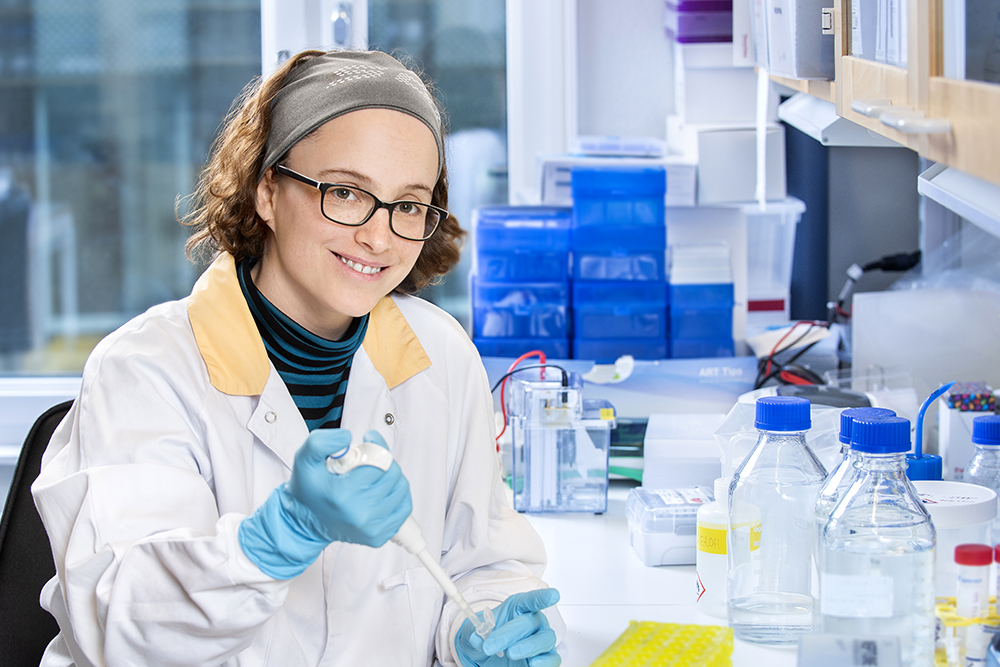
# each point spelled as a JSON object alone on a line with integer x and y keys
{"x": 520, "y": 284}
{"x": 698, "y": 21}
{"x": 770, "y": 249}
{"x": 618, "y": 247}
{"x": 701, "y": 301}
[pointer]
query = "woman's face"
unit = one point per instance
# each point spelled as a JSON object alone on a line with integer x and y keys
{"x": 322, "y": 274}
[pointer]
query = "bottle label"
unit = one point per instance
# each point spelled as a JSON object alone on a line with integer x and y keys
{"x": 747, "y": 535}
{"x": 856, "y": 596}
{"x": 713, "y": 540}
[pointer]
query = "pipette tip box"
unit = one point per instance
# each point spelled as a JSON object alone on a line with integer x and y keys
{"x": 662, "y": 523}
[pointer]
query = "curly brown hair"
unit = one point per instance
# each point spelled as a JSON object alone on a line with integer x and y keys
{"x": 224, "y": 204}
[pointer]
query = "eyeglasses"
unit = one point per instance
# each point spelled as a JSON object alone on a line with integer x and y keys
{"x": 351, "y": 206}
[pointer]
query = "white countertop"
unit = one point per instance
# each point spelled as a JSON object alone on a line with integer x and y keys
{"x": 603, "y": 585}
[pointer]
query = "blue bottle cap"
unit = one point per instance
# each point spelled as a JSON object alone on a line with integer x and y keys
{"x": 928, "y": 466}
{"x": 986, "y": 430}
{"x": 885, "y": 435}
{"x": 848, "y": 416}
{"x": 783, "y": 413}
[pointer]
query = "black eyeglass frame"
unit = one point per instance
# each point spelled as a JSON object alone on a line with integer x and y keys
{"x": 388, "y": 206}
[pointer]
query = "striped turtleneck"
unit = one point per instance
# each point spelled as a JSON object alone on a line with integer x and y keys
{"x": 314, "y": 369}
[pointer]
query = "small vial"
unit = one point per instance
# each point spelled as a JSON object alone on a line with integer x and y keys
{"x": 972, "y": 599}
{"x": 972, "y": 590}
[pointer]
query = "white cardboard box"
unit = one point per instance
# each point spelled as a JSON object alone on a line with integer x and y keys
{"x": 555, "y": 173}
{"x": 726, "y": 156}
{"x": 679, "y": 451}
{"x": 709, "y": 88}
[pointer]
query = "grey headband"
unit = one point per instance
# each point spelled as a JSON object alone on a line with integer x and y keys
{"x": 336, "y": 83}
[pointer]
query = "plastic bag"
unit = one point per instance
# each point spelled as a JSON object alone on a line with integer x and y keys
{"x": 738, "y": 435}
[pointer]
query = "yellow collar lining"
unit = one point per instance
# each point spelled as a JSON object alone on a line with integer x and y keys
{"x": 234, "y": 354}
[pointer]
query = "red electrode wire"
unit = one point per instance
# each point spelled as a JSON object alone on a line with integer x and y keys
{"x": 503, "y": 403}
{"x": 775, "y": 350}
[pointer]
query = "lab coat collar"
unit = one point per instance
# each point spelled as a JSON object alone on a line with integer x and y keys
{"x": 231, "y": 346}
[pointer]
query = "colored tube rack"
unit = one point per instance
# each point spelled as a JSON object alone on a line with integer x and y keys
{"x": 652, "y": 644}
{"x": 945, "y": 612}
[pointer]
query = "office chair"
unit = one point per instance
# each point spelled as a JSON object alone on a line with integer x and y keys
{"x": 25, "y": 556}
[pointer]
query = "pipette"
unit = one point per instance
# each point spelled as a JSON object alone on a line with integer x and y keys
{"x": 409, "y": 536}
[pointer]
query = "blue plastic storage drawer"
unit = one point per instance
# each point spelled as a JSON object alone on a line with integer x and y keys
{"x": 522, "y": 243}
{"x": 619, "y": 196}
{"x": 620, "y": 309}
{"x": 702, "y": 296}
{"x": 605, "y": 238}
{"x": 606, "y": 350}
{"x": 687, "y": 322}
{"x": 554, "y": 348}
{"x": 614, "y": 265}
{"x": 520, "y": 310}
{"x": 701, "y": 348}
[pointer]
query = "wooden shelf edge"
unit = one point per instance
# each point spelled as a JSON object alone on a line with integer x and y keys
{"x": 824, "y": 90}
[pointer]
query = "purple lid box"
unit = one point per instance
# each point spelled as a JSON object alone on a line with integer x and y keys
{"x": 701, "y": 6}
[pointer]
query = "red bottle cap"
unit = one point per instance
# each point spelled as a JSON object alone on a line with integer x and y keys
{"x": 973, "y": 554}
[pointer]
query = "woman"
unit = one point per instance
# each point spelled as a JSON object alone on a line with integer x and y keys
{"x": 186, "y": 496}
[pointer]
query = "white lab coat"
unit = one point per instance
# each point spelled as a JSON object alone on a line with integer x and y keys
{"x": 183, "y": 428}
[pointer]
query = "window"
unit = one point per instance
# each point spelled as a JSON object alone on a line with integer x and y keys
{"x": 461, "y": 47}
{"x": 107, "y": 114}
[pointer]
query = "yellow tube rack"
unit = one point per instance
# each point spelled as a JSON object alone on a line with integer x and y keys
{"x": 945, "y": 612}
{"x": 651, "y": 644}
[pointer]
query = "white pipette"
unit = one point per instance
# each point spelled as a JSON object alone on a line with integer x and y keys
{"x": 410, "y": 537}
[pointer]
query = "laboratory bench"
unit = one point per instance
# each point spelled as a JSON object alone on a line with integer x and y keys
{"x": 603, "y": 585}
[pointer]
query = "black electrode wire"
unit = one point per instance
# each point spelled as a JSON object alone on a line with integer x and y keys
{"x": 779, "y": 367}
{"x": 565, "y": 377}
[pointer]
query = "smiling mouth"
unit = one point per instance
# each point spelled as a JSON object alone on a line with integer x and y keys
{"x": 361, "y": 268}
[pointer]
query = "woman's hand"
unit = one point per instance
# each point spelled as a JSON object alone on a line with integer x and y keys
{"x": 315, "y": 507}
{"x": 522, "y": 634}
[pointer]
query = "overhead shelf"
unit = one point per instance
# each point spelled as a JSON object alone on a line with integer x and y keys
{"x": 972, "y": 198}
{"x": 818, "y": 118}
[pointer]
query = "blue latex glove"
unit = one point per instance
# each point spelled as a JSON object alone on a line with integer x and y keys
{"x": 316, "y": 507}
{"x": 522, "y": 633}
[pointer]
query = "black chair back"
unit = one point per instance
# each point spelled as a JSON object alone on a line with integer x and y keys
{"x": 25, "y": 556}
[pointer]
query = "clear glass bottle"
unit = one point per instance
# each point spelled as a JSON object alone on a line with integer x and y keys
{"x": 877, "y": 555}
{"x": 772, "y": 572}
{"x": 984, "y": 467}
{"x": 840, "y": 478}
